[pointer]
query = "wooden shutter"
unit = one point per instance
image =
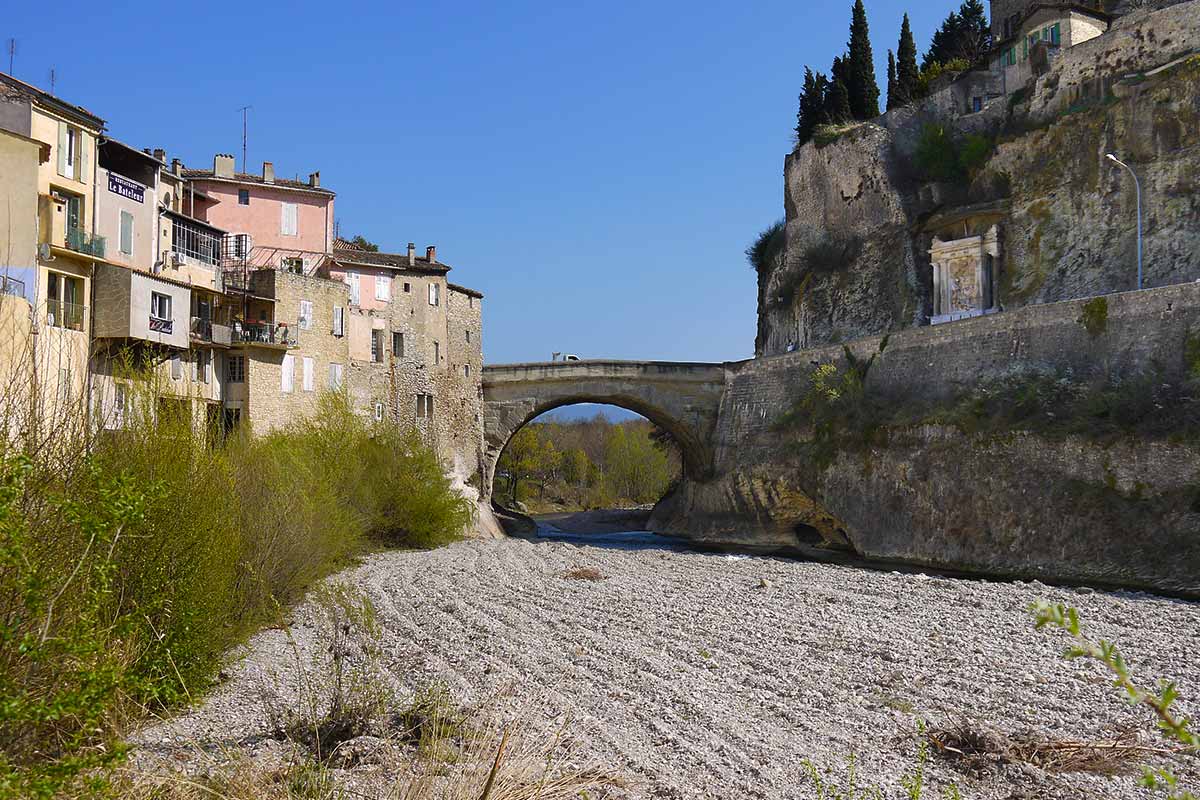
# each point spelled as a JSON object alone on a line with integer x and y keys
{"x": 126, "y": 233}
{"x": 288, "y": 374}
{"x": 81, "y": 158}
{"x": 339, "y": 321}
{"x": 62, "y": 149}
{"x": 308, "y": 374}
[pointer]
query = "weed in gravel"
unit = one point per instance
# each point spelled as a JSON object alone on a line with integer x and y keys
{"x": 978, "y": 748}
{"x": 853, "y": 788}
{"x": 583, "y": 574}
{"x": 344, "y": 691}
{"x": 432, "y": 723}
{"x": 1162, "y": 702}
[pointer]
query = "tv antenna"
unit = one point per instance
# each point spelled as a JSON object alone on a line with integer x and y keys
{"x": 53, "y": 76}
{"x": 244, "y": 110}
{"x": 12, "y": 51}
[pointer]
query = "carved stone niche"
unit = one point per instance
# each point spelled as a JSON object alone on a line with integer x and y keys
{"x": 964, "y": 276}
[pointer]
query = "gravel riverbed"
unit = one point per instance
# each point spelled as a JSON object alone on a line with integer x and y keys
{"x": 714, "y": 676}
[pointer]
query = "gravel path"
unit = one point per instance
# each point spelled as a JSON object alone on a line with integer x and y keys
{"x": 698, "y": 675}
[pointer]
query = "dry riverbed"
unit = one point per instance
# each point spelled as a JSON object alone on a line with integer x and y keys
{"x": 698, "y": 675}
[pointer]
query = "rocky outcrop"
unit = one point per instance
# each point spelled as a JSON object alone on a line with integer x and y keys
{"x": 1067, "y": 216}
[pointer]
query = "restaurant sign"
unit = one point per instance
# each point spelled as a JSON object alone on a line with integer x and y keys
{"x": 126, "y": 188}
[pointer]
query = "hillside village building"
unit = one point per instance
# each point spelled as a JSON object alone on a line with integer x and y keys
{"x": 231, "y": 287}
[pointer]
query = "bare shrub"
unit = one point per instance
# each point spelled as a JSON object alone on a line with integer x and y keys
{"x": 583, "y": 574}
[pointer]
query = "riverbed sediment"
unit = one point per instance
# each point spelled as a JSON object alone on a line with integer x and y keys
{"x": 710, "y": 675}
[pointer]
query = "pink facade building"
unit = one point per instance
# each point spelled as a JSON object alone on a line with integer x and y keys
{"x": 277, "y": 223}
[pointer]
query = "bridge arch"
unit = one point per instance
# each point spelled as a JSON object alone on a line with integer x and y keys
{"x": 681, "y": 398}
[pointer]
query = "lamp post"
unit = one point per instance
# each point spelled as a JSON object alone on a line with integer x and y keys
{"x": 1138, "y": 186}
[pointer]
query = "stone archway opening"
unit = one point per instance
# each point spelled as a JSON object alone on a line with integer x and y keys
{"x": 608, "y": 461}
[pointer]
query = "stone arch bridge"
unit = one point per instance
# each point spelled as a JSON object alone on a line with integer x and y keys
{"x": 681, "y": 398}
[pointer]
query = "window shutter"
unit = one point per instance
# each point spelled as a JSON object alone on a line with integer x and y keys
{"x": 283, "y": 219}
{"x": 176, "y": 367}
{"x": 62, "y": 149}
{"x": 338, "y": 321}
{"x": 81, "y": 159}
{"x": 287, "y": 219}
{"x": 126, "y": 233}
{"x": 288, "y": 374}
{"x": 196, "y": 368}
{"x": 308, "y": 374}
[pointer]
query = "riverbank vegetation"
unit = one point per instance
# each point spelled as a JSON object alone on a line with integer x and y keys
{"x": 131, "y": 559}
{"x": 558, "y": 465}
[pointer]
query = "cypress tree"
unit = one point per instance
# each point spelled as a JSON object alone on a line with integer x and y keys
{"x": 812, "y": 106}
{"x": 837, "y": 105}
{"x": 860, "y": 71}
{"x": 892, "y": 100}
{"x": 907, "y": 74}
{"x": 964, "y": 35}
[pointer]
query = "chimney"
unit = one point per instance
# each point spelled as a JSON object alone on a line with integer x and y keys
{"x": 146, "y": 150}
{"x": 431, "y": 254}
{"x": 268, "y": 172}
{"x": 160, "y": 154}
{"x": 223, "y": 166}
{"x": 176, "y": 166}
{"x": 412, "y": 254}
{"x": 314, "y": 179}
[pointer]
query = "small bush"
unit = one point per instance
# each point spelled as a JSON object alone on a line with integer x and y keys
{"x": 583, "y": 574}
{"x": 766, "y": 252}
{"x": 831, "y": 252}
{"x": 1094, "y": 317}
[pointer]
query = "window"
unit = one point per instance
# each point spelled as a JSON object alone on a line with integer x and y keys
{"x": 377, "y": 346}
{"x": 71, "y": 153}
{"x": 467, "y": 370}
{"x": 407, "y": 288}
{"x": 287, "y": 376}
{"x": 235, "y": 369}
{"x": 424, "y": 406}
{"x": 287, "y": 219}
{"x": 397, "y": 344}
{"x": 433, "y": 294}
{"x": 339, "y": 321}
{"x": 176, "y": 367}
{"x": 468, "y": 336}
{"x": 383, "y": 287}
{"x": 120, "y": 404}
{"x": 1056, "y": 33}
{"x": 306, "y": 314}
{"x": 437, "y": 353}
{"x": 126, "y": 233}
{"x": 243, "y": 197}
{"x": 160, "y": 308}
{"x": 335, "y": 377}
{"x": 379, "y": 412}
{"x": 63, "y": 309}
{"x": 976, "y": 104}
{"x": 352, "y": 280}
{"x": 241, "y": 245}
{"x": 308, "y": 374}
{"x": 294, "y": 265}
{"x": 200, "y": 366}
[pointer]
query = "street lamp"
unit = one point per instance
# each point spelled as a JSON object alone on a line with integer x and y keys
{"x": 1138, "y": 186}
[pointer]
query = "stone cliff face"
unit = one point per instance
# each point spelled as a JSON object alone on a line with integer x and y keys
{"x": 1066, "y": 215}
{"x": 1124, "y": 510}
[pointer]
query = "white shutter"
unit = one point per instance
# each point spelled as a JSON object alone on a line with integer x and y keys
{"x": 433, "y": 294}
{"x": 308, "y": 374}
{"x": 176, "y": 367}
{"x": 287, "y": 376}
{"x": 306, "y": 313}
{"x": 335, "y": 376}
{"x": 339, "y": 321}
{"x": 62, "y": 149}
{"x": 383, "y": 287}
{"x": 127, "y": 233}
{"x": 352, "y": 278}
{"x": 81, "y": 159}
{"x": 287, "y": 219}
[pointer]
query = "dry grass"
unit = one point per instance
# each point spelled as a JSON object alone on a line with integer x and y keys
{"x": 977, "y": 749}
{"x": 584, "y": 574}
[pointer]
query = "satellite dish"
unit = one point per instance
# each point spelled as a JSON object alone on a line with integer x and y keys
{"x": 44, "y": 252}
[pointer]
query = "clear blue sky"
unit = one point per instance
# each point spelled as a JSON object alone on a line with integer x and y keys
{"x": 595, "y": 169}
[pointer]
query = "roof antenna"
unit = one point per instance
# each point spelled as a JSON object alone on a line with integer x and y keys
{"x": 244, "y": 109}
{"x": 12, "y": 51}
{"x": 52, "y": 77}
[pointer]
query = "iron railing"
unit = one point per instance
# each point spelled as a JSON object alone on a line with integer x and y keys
{"x": 61, "y": 314}
{"x": 83, "y": 242}
{"x": 13, "y": 286}
{"x": 206, "y": 330}
{"x": 264, "y": 333}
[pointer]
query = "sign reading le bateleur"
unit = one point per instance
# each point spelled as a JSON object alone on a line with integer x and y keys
{"x": 126, "y": 188}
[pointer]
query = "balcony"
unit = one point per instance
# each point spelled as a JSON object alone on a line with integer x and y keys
{"x": 12, "y": 286}
{"x": 264, "y": 334}
{"x": 83, "y": 242}
{"x": 205, "y": 330}
{"x": 60, "y": 314}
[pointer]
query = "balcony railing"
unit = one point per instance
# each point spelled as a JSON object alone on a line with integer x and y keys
{"x": 12, "y": 286}
{"x": 208, "y": 331}
{"x": 83, "y": 242}
{"x": 264, "y": 333}
{"x": 60, "y": 314}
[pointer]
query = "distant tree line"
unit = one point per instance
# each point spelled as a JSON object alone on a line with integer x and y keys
{"x": 850, "y": 93}
{"x": 584, "y": 464}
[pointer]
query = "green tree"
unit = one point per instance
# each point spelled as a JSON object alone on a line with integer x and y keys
{"x": 963, "y": 36}
{"x": 812, "y": 111}
{"x": 892, "y": 99}
{"x": 364, "y": 244}
{"x": 907, "y": 75}
{"x": 860, "y": 78}
{"x": 520, "y": 460}
{"x": 637, "y": 470}
{"x": 838, "y": 103}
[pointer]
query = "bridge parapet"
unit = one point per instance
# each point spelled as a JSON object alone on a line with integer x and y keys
{"x": 682, "y": 398}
